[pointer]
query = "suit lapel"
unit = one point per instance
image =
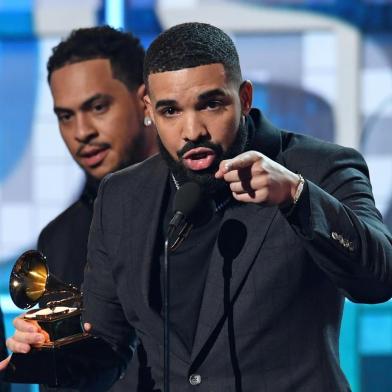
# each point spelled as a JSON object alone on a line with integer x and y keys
{"x": 232, "y": 259}
{"x": 142, "y": 252}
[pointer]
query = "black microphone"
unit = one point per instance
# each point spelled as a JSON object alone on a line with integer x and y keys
{"x": 185, "y": 202}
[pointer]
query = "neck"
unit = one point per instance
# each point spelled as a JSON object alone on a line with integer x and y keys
{"x": 221, "y": 197}
{"x": 90, "y": 189}
{"x": 148, "y": 146}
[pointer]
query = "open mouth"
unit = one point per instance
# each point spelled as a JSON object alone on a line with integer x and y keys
{"x": 92, "y": 157}
{"x": 200, "y": 158}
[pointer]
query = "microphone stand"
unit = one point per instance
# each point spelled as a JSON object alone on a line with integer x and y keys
{"x": 166, "y": 313}
{"x": 182, "y": 233}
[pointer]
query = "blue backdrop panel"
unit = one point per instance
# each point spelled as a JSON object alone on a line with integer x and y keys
{"x": 18, "y": 81}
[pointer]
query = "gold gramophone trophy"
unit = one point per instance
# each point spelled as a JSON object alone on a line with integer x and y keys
{"x": 54, "y": 362}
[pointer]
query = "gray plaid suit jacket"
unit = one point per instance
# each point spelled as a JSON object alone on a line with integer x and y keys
{"x": 274, "y": 294}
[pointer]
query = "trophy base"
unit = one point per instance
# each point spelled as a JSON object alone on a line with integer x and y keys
{"x": 59, "y": 363}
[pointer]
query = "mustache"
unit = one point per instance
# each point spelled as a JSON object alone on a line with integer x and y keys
{"x": 94, "y": 145}
{"x": 199, "y": 143}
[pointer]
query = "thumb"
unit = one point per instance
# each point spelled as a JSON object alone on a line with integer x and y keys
{"x": 4, "y": 363}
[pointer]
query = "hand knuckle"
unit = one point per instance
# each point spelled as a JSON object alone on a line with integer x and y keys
{"x": 21, "y": 347}
{"x": 9, "y": 343}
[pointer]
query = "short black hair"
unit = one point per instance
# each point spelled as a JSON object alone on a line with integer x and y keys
{"x": 189, "y": 45}
{"x": 123, "y": 50}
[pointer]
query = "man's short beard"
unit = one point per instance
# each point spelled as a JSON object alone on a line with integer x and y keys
{"x": 205, "y": 178}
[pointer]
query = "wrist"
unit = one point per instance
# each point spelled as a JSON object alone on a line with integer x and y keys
{"x": 297, "y": 189}
{"x": 295, "y": 193}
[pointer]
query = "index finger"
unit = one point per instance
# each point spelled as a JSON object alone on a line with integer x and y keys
{"x": 23, "y": 325}
{"x": 241, "y": 161}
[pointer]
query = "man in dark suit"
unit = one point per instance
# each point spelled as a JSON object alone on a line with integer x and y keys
{"x": 286, "y": 229}
{"x": 96, "y": 80}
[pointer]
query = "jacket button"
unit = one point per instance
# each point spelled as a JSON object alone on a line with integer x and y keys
{"x": 195, "y": 379}
{"x": 335, "y": 235}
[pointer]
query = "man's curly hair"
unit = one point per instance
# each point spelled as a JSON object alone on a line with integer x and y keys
{"x": 123, "y": 50}
{"x": 189, "y": 45}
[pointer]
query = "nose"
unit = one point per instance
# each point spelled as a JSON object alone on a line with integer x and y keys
{"x": 85, "y": 130}
{"x": 193, "y": 127}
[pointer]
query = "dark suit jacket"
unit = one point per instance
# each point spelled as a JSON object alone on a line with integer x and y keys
{"x": 273, "y": 298}
{"x": 64, "y": 242}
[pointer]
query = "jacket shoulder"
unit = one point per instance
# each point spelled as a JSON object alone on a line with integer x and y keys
{"x": 296, "y": 144}
{"x": 310, "y": 150}
{"x": 134, "y": 174}
{"x": 133, "y": 181}
{"x": 65, "y": 221}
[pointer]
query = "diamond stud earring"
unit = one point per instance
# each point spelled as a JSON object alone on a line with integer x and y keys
{"x": 147, "y": 121}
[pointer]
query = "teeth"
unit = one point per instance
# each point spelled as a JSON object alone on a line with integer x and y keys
{"x": 198, "y": 156}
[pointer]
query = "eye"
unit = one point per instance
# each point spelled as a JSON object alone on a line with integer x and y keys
{"x": 213, "y": 105}
{"x": 64, "y": 117}
{"x": 100, "y": 107}
{"x": 169, "y": 111}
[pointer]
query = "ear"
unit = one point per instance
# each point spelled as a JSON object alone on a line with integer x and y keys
{"x": 141, "y": 91}
{"x": 144, "y": 99}
{"x": 148, "y": 106}
{"x": 140, "y": 94}
{"x": 246, "y": 95}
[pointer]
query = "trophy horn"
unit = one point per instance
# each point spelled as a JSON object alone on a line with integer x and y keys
{"x": 30, "y": 280}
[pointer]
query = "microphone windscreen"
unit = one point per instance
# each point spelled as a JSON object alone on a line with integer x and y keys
{"x": 187, "y": 198}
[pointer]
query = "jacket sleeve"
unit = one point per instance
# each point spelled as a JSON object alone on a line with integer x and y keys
{"x": 3, "y": 349}
{"x": 343, "y": 231}
{"x": 101, "y": 305}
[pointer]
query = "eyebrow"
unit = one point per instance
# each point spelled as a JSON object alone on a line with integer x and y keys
{"x": 165, "y": 102}
{"x": 85, "y": 105}
{"x": 202, "y": 97}
{"x": 212, "y": 94}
